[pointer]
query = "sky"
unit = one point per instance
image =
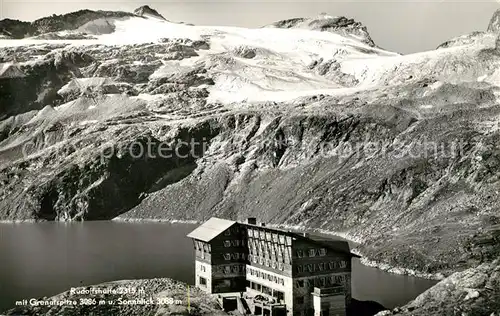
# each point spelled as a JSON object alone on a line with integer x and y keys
{"x": 402, "y": 26}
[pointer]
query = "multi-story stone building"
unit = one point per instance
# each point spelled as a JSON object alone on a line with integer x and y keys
{"x": 276, "y": 272}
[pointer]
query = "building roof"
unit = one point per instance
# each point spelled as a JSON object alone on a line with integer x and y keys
{"x": 215, "y": 226}
{"x": 211, "y": 229}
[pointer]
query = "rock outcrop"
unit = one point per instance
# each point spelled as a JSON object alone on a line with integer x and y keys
{"x": 494, "y": 25}
{"x": 153, "y": 297}
{"x": 326, "y": 23}
{"x": 66, "y": 22}
{"x": 147, "y": 11}
{"x": 475, "y": 291}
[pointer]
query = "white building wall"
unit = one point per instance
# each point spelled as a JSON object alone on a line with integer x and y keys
{"x": 286, "y": 287}
{"x": 203, "y": 270}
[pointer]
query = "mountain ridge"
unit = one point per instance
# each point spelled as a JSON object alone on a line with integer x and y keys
{"x": 326, "y": 23}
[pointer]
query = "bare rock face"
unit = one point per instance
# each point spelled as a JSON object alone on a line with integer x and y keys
{"x": 326, "y": 23}
{"x": 55, "y": 23}
{"x": 147, "y": 11}
{"x": 494, "y": 25}
{"x": 475, "y": 291}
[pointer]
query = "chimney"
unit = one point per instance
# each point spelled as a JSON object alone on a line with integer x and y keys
{"x": 305, "y": 235}
{"x": 252, "y": 221}
{"x": 263, "y": 224}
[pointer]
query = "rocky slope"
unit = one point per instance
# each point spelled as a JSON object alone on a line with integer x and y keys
{"x": 56, "y": 23}
{"x": 475, "y": 291}
{"x": 319, "y": 130}
{"x": 326, "y": 23}
{"x": 130, "y": 297}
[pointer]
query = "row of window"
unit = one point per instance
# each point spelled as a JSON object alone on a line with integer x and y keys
{"x": 266, "y": 276}
{"x": 234, "y": 230}
{"x": 324, "y": 281}
{"x": 280, "y": 296}
{"x": 321, "y": 266}
{"x": 201, "y": 246}
{"x": 234, "y": 243}
{"x": 234, "y": 256}
{"x": 272, "y": 251}
{"x": 231, "y": 269}
{"x": 313, "y": 252}
{"x": 203, "y": 254}
{"x": 267, "y": 262}
{"x": 269, "y": 236}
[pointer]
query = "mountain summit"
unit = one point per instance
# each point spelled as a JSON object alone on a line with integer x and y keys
{"x": 327, "y": 23}
{"x": 147, "y": 11}
{"x": 494, "y": 25}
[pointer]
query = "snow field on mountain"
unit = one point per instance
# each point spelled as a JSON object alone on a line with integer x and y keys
{"x": 277, "y": 67}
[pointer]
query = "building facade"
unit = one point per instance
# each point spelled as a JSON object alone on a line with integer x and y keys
{"x": 276, "y": 272}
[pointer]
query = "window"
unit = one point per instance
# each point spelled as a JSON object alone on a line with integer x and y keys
{"x": 279, "y": 295}
{"x": 266, "y": 290}
{"x": 203, "y": 281}
{"x": 227, "y": 243}
{"x": 300, "y": 253}
{"x": 235, "y": 256}
{"x": 322, "y": 252}
{"x": 227, "y": 256}
{"x": 227, "y": 233}
{"x": 312, "y": 252}
{"x": 275, "y": 238}
{"x": 203, "y": 269}
{"x": 323, "y": 281}
{"x": 310, "y": 267}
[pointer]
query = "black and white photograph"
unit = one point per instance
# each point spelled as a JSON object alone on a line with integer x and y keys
{"x": 250, "y": 157}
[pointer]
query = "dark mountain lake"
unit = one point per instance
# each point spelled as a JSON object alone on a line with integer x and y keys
{"x": 43, "y": 259}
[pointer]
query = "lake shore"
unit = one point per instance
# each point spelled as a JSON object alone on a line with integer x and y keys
{"x": 351, "y": 239}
